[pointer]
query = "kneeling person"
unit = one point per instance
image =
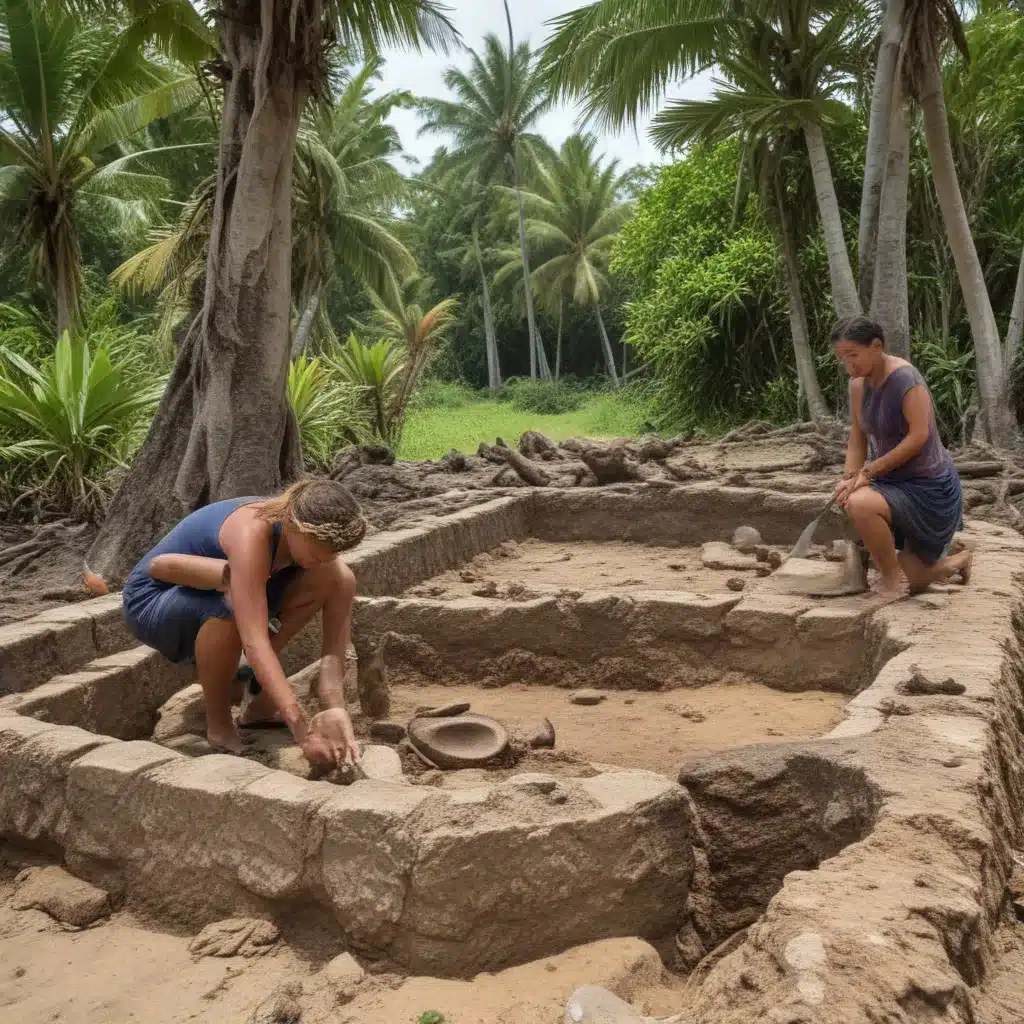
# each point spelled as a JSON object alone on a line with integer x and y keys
{"x": 207, "y": 591}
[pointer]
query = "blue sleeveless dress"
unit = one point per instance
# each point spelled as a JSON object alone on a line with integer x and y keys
{"x": 924, "y": 494}
{"x": 167, "y": 616}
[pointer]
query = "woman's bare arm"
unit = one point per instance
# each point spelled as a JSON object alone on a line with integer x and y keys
{"x": 917, "y": 411}
{"x": 246, "y": 541}
{"x": 857, "y": 443}
{"x": 196, "y": 571}
{"x": 337, "y": 629}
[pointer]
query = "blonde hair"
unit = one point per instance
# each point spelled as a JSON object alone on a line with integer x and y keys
{"x": 319, "y": 508}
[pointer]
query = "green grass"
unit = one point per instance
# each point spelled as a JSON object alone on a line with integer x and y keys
{"x": 431, "y": 433}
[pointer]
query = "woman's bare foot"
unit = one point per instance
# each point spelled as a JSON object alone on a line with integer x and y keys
{"x": 962, "y": 563}
{"x": 226, "y": 742}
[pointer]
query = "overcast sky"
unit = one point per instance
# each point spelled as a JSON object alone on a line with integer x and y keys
{"x": 422, "y": 75}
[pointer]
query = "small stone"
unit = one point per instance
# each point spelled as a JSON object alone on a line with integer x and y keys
{"x": 761, "y": 552}
{"x": 953, "y": 762}
{"x": 489, "y": 589}
{"x": 444, "y": 711}
{"x": 235, "y": 936}
{"x": 629, "y": 700}
{"x": 592, "y": 1004}
{"x": 66, "y": 899}
{"x": 388, "y": 730}
{"x": 381, "y": 763}
{"x": 559, "y": 797}
{"x": 344, "y": 975}
{"x": 735, "y": 583}
{"x": 468, "y": 576}
{"x": 746, "y": 539}
{"x": 775, "y": 559}
{"x": 737, "y": 480}
{"x": 676, "y": 566}
{"x": 542, "y": 735}
{"x": 920, "y": 685}
{"x": 587, "y": 697}
{"x": 692, "y": 714}
{"x": 716, "y": 555}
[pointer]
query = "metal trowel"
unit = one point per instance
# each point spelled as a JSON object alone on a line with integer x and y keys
{"x": 803, "y": 546}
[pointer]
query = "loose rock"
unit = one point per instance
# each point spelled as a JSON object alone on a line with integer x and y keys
{"x": 746, "y": 539}
{"x": 689, "y": 948}
{"x": 735, "y": 583}
{"x": 541, "y": 735}
{"x": 235, "y": 936}
{"x": 587, "y": 697}
{"x": 921, "y": 685}
{"x": 344, "y": 975}
{"x": 775, "y": 559}
{"x": 381, "y": 763}
{"x": 717, "y": 555}
{"x": 592, "y": 1004}
{"x": 64, "y": 897}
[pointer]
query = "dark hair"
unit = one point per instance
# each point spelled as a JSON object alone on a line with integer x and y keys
{"x": 861, "y": 330}
{"x": 322, "y": 509}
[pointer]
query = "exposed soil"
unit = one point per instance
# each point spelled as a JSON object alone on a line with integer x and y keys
{"x": 537, "y": 566}
{"x": 122, "y": 972}
{"x": 654, "y": 731}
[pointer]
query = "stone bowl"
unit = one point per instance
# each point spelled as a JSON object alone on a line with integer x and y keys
{"x": 466, "y": 741}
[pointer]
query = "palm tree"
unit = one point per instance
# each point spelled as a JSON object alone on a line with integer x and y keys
{"x": 417, "y": 331}
{"x": 496, "y": 104}
{"x": 224, "y": 425}
{"x": 928, "y": 24}
{"x": 785, "y": 61}
{"x": 344, "y": 189}
{"x": 74, "y": 95}
{"x": 574, "y": 215}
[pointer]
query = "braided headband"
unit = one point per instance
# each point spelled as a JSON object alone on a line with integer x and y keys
{"x": 337, "y": 536}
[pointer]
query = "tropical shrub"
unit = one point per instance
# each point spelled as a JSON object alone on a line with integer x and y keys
{"x": 68, "y": 420}
{"x": 327, "y": 409}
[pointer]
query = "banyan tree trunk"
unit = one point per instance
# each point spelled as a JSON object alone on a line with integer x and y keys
{"x": 224, "y": 427}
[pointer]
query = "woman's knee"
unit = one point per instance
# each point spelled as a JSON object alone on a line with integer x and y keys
{"x": 865, "y": 503}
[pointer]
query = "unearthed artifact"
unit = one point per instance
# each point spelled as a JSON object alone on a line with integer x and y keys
{"x": 746, "y": 539}
{"x": 467, "y": 741}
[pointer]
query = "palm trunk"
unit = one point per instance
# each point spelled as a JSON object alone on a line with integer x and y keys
{"x": 66, "y": 297}
{"x": 490, "y": 340}
{"x": 1016, "y": 327}
{"x": 606, "y": 345}
{"x": 805, "y": 371}
{"x": 625, "y": 349}
{"x": 305, "y": 328}
{"x": 537, "y": 354}
{"x": 997, "y": 419}
{"x": 844, "y": 291}
{"x": 558, "y": 343}
{"x": 224, "y": 426}
{"x": 890, "y": 306}
{"x": 875, "y": 163}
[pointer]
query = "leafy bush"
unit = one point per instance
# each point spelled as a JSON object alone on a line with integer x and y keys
{"x": 377, "y": 371}
{"x": 442, "y": 394}
{"x": 327, "y": 409}
{"x": 67, "y": 421}
{"x": 951, "y": 379}
{"x": 542, "y": 396}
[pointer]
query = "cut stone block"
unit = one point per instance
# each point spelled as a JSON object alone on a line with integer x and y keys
{"x": 368, "y": 851}
{"x": 719, "y": 555}
{"x": 65, "y": 898}
{"x": 34, "y": 764}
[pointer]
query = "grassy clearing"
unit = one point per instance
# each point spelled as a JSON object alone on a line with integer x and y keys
{"x": 430, "y": 433}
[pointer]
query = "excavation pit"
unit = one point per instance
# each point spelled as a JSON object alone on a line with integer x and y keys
{"x": 457, "y": 872}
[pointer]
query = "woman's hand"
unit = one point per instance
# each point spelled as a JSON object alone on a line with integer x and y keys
{"x": 331, "y": 739}
{"x": 848, "y": 485}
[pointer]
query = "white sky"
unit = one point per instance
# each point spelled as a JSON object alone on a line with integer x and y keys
{"x": 422, "y": 75}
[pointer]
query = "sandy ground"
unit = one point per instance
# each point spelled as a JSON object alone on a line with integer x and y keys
{"x": 655, "y": 731}
{"x": 123, "y": 972}
{"x": 542, "y": 567}
{"x": 629, "y": 729}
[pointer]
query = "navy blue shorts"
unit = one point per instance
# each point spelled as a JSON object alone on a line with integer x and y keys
{"x": 168, "y": 617}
